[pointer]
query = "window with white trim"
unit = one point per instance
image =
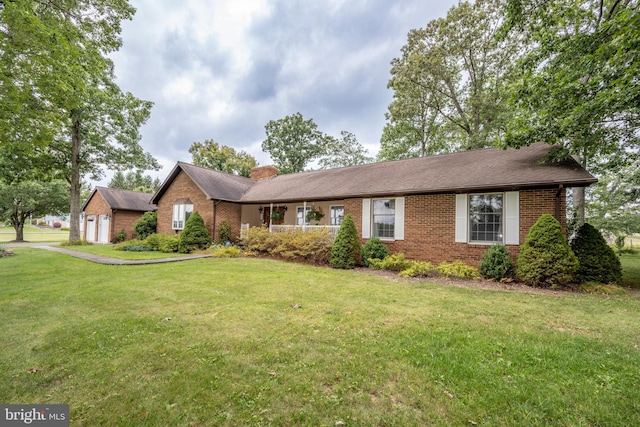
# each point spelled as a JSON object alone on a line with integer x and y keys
{"x": 301, "y": 215}
{"x": 336, "y": 215}
{"x": 181, "y": 213}
{"x": 384, "y": 218}
{"x": 486, "y": 218}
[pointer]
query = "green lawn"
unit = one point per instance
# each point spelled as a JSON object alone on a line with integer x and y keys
{"x": 630, "y": 270}
{"x": 260, "y": 342}
{"x": 34, "y": 234}
{"x": 108, "y": 251}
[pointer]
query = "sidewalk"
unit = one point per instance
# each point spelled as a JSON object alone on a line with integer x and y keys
{"x": 99, "y": 259}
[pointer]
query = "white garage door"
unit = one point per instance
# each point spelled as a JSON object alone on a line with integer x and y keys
{"x": 90, "y": 233}
{"x": 103, "y": 229}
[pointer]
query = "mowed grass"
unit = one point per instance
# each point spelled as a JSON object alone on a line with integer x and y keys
{"x": 630, "y": 270}
{"x": 108, "y": 250}
{"x": 260, "y": 342}
{"x": 34, "y": 234}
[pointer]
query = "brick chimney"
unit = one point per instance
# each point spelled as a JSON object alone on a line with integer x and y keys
{"x": 263, "y": 172}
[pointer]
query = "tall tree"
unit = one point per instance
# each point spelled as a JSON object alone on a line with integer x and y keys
{"x": 293, "y": 142}
{"x": 450, "y": 83}
{"x": 210, "y": 154}
{"x": 344, "y": 151}
{"x": 134, "y": 181}
{"x": 578, "y": 81}
{"x": 22, "y": 200}
{"x": 58, "y": 97}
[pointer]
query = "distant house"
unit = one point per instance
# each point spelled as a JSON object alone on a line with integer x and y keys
{"x": 108, "y": 211}
{"x": 437, "y": 208}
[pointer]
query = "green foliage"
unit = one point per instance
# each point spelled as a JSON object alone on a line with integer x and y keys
{"x": 223, "y": 251}
{"x": 210, "y": 154}
{"x": 458, "y": 269}
{"x": 224, "y": 231}
{"x": 308, "y": 246}
{"x": 393, "y": 262}
{"x": 545, "y": 259}
{"x": 346, "y": 249}
{"x": 344, "y": 151}
{"x": 418, "y": 269}
{"x": 497, "y": 263}
{"x": 194, "y": 235}
{"x": 121, "y": 236}
{"x": 166, "y": 243}
{"x": 132, "y": 246}
{"x": 146, "y": 225}
{"x": 374, "y": 249}
{"x": 79, "y": 242}
{"x": 134, "y": 181}
{"x": 597, "y": 262}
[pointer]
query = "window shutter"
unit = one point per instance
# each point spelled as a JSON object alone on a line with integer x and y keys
{"x": 462, "y": 209}
{"x": 399, "y": 219}
{"x": 366, "y": 218}
{"x": 512, "y": 218}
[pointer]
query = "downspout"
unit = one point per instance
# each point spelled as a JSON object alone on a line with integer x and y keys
{"x": 112, "y": 224}
{"x": 215, "y": 214}
{"x": 558, "y": 206}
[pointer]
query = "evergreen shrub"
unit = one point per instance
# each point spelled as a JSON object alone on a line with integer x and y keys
{"x": 195, "y": 235}
{"x": 224, "y": 231}
{"x": 165, "y": 243}
{"x": 373, "y": 249}
{"x": 497, "y": 263}
{"x": 418, "y": 269}
{"x": 346, "y": 250}
{"x": 597, "y": 262}
{"x": 545, "y": 259}
{"x": 393, "y": 262}
{"x": 458, "y": 269}
{"x": 146, "y": 225}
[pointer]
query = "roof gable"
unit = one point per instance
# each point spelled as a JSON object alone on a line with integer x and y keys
{"x": 123, "y": 199}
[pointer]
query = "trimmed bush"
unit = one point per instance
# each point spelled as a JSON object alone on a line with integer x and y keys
{"x": 457, "y": 269}
{"x": 418, "y": 269}
{"x": 165, "y": 243}
{"x": 374, "y": 249}
{"x": 597, "y": 262}
{"x": 545, "y": 259}
{"x": 394, "y": 262}
{"x": 497, "y": 263}
{"x": 121, "y": 236}
{"x": 224, "y": 231}
{"x": 223, "y": 251}
{"x": 146, "y": 225}
{"x": 309, "y": 246}
{"x": 195, "y": 235}
{"x": 346, "y": 249}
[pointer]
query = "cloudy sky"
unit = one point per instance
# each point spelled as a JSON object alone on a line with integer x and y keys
{"x": 222, "y": 69}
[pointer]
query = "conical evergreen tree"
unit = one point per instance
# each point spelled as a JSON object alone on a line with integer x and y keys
{"x": 346, "y": 249}
{"x": 195, "y": 235}
{"x": 597, "y": 262}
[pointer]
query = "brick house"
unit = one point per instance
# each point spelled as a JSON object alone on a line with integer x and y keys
{"x": 437, "y": 208}
{"x": 107, "y": 211}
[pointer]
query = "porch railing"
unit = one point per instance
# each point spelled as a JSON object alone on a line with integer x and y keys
{"x": 333, "y": 229}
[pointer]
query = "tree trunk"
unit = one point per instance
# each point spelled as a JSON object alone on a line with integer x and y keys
{"x": 578, "y": 204}
{"x": 19, "y": 227}
{"x": 75, "y": 187}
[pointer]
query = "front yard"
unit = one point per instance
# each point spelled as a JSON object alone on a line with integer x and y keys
{"x": 258, "y": 342}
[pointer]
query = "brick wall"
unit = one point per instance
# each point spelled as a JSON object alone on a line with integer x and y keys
{"x": 119, "y": 219}
{"x": 429, "y": 225}
{"x": 183, "y": 187}
{"x": 124, "y": 220}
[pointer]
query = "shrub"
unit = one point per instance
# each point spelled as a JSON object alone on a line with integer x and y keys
{"x": 146, "y": 225}
{"x": 545, "y": 259}
{"x": 346, "y": 249}
{"x": 497, "y": 263}
{"x": 373, "y": 249}
{"x": 194, "y": 235}
{"x": 394, "y": 262}
{"x": 121, "y": 236}
{"x": 309, "y": 246}
{"x": 458, "y": 269}
{"x": 418, "y": 269}
{"x": 224, "y": 231}
{"x": 223, "y": 251}
{"x": 80, "y": 242}
{"x": 597, "y": 262}
{"x": 134, "y": 247}
{"x": 165, "y": 243}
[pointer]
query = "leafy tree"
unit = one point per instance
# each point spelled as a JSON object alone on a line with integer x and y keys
{"x": 146, "y": 225}
{"x": 293, "y": 142}
{"x": 497, "y": 263}
{"x": 210, "y": 154}
{"x": 60, "y": 105}
{"x": 597, "y": 262}
{"x": 545, "y": 259}
{"x": 344, "y": 151}
{"x": 194, "y": 235}
{"x": 577, "y": 84}
{"x": 22, "y": 200}
{"x": 346, "y": 249}
{"x": 450, "y": 83}
{"x": 134, "y": 181}
{"x": 373, "y": 249}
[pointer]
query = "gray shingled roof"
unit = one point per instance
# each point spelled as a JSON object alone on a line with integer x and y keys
{"x": 124, "y": 199}
{"x": 468, "y": 171}
{"x": 490, "y": 169}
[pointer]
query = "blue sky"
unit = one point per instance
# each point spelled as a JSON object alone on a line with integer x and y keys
{"x": 222, "y": 69}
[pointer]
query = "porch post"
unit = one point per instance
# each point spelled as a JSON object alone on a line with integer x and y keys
{"x": 304, "y": 215}
{"x": 270, "y": 212}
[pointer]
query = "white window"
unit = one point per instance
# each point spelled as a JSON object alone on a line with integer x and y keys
{"x": 336, "y": 215}
{"x": 301, "y": 215}
{"x": 181, "y": 213}
{"x": 383, "y": 218}
{"x": 488, "y": 218}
